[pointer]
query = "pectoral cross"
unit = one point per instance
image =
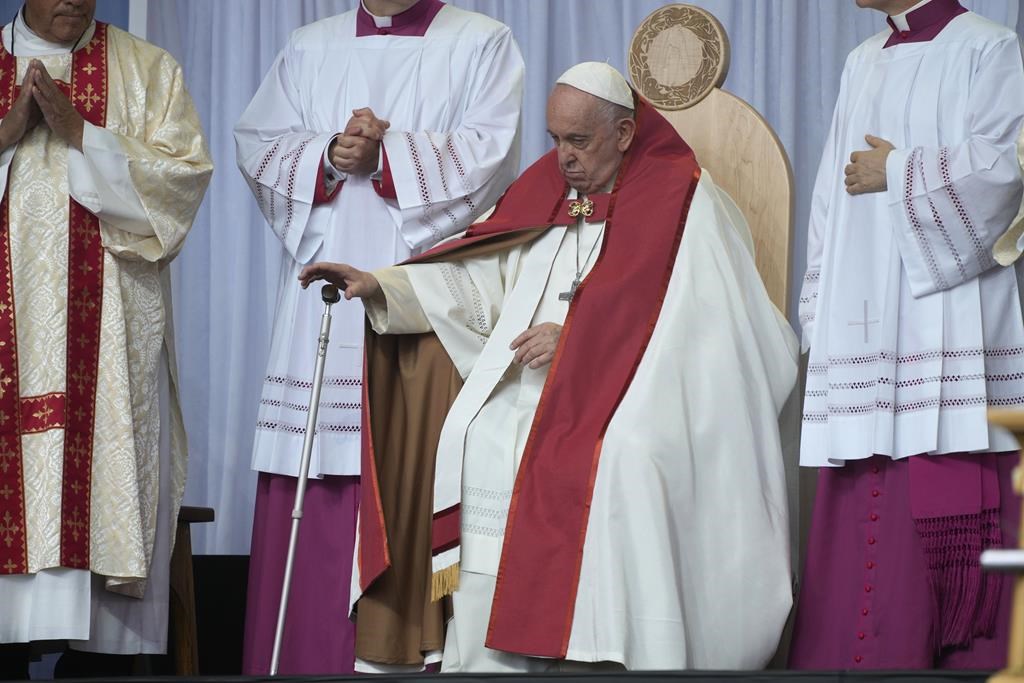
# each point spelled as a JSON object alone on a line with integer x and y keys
{"x": 865, "y": 322}
{"x": 568, "y": 295}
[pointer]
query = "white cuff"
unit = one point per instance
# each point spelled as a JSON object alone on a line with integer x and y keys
{"x": 379, "y": 173}
{"x": 332, "y": 176}
{"x": 99, "y": 180}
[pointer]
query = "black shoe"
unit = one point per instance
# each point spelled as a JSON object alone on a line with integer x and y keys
{"x": 14, "y": 660}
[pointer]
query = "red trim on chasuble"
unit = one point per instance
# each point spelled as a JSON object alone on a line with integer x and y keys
{"x": 85, "y": 303}
{"x": 33, "y": 414}
{"x": 13, "y": 534}
{"x": 42, "y": 413}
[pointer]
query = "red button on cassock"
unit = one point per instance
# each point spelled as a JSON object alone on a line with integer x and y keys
{"x": 864, "y": 611}
{"x": 860, "y": 636}
{"x": 871, "y": 541}
{"x": 874, "y": 517}
{"x": 876, "y": 493}
{"x": 858, "y": 659}
{"x": 870, "y": 565}
{"x": 867, "y": 589}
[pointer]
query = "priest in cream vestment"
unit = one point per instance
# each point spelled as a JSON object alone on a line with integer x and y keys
{"x": 606, "y": 489}
{"x": 103, "y": 168}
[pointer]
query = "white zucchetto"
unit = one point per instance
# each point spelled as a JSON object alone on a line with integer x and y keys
{"x": 600, "y": 80}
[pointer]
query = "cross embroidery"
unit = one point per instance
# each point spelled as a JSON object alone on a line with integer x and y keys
{"x": 78, "y": 376}
{"x": 84, "y": 305}
{"x": 78, "y": 450}
{"x": 4, "y": 381}
{"x": 865, "y": 322}
{"x": 44, "y": 413}
{"x": 6, "y": 492}
{"x": 89, "y": 97}
{"x": 7, "y": 455}
{"x": 8, "y": 529}
{"x": 76, "y": 525}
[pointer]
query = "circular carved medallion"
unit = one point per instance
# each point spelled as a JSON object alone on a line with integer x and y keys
{"x": 678, "y": 55}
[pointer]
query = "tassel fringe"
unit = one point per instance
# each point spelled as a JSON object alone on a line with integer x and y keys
{"x": 444, "y": 582}
{"x": 968, "y": 598}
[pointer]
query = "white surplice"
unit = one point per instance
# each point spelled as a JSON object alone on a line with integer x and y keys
{"x": 686, "y": 559}
{"x": 143, "y": 176}
{"x": 453, "y": 98}
{"x": 913, "y": 329}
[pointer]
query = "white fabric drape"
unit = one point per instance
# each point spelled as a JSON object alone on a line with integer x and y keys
{"x": 787, "y": 56}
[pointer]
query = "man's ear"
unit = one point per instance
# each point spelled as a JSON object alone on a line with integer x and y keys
{"x": 625, "y": 129}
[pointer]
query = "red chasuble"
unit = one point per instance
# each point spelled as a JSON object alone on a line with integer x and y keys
{"x": 74, "y": 409}
{"x": 605, "y": 334}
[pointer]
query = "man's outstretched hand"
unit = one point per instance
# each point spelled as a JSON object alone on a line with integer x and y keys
{"x": 354, "y": 282}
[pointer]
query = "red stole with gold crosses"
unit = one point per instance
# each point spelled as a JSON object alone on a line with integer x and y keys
{"x": 74, "y": 409}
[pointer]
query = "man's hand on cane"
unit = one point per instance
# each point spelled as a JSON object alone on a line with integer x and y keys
{"x": 354, "y": 282}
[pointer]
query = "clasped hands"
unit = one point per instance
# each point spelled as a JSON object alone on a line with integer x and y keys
{"x": 534, "y": 348}
{"x": 866, "y": 171}
{"x": 356, "y": 151}
{"x": 41, "y": 99}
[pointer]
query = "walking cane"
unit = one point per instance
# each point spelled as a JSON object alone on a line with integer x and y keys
{"x": 330, "y": 296}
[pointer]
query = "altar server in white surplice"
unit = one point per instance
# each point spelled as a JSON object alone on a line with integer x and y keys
{"x": 375, "y": 134}
{"x": 608, "y": 488}
{"x": 914, "y": 330}
{"x": 103, "y": 166}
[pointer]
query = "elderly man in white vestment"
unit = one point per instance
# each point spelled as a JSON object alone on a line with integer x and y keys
{"x": 914, "y": 329}
{"x": 103, "y": 166}
{"x": 376, "y": 133}
{"x": 606, "y": 489}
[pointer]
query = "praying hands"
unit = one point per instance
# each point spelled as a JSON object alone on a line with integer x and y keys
{"x": 58, "y": 112}
{"x": 866, "y": 171}
{"x": 24, "y": 114}
{"x": 357, "y": 150}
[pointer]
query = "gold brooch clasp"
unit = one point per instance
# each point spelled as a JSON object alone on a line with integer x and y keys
{"x": 584, "y": 208}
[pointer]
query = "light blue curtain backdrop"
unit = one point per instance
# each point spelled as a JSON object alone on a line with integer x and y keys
{"x": 787, "y": 56}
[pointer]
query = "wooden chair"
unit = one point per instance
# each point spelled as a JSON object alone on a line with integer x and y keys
{"x": 678, "y": 59}
{"x": 182, "y": 618}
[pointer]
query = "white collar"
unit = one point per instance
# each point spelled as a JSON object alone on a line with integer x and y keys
{"x": 380, "y": 22}
{"x": 29, "y": 44}
{"x": 901, "y": 19}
